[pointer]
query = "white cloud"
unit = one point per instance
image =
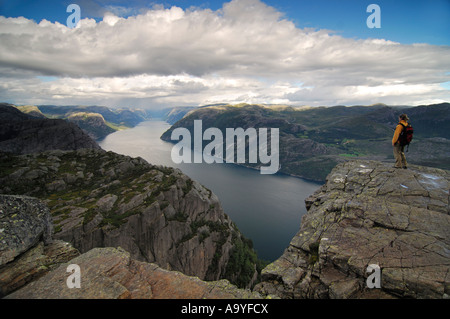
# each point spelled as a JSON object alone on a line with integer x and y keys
{"x": 244, "y": 52}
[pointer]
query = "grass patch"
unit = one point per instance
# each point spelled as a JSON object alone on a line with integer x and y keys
{"x": 117, "y": 220}
{"x": 116, "y": 127}
{"x": 187, "y": 188}
{"x": 179, "y": 217}
{"x": 242, "y": 263}
{"x": 349, "y": 155}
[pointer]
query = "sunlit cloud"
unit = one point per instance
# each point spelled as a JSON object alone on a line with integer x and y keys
{"x": 245, "y": 52}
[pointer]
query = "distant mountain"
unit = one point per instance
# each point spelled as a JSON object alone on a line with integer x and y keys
{"x": 97, "y": 121}
{"x": 313, "y": 140}
{"x": 93, "y": 123}
{"x": 125, "y": 117}
{"x": 21, "y": 133}
{"x": 430, "y": 120}
{"x": 177, "y": 113}
{"x": 31, "y": 110}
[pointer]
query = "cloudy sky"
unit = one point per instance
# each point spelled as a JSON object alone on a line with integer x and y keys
{"x": 174, "y": 53}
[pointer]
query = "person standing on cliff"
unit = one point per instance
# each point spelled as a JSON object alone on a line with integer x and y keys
{"x": 399, "y": 154}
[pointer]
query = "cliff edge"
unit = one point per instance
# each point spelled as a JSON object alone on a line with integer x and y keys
{"x": 369, "y": 213}
{"x": 34, "y": 265}
{"x": 157, "y": 214}
{"x": 27, "y": 249}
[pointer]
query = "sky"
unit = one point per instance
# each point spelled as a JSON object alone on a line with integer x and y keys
{"x": 153, "y": 54}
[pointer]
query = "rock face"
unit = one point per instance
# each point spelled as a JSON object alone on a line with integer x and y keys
{"x": 110, "y": 273}
{"x": 23, "y": 222}
{"x": 33, "y": 265}
{"x": 23, "y": 134}
{"x": 158, "y": 214}
{"x": 27, "y": 250}
{"x": 369, "y": 213}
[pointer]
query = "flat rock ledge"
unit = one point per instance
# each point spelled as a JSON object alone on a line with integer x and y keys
{"x": 110, "y": 273}
{"x": 369, "y": 213}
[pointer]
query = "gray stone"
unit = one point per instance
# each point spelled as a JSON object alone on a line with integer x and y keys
{"x": 156, "y": 213}
{"x": 110, "y": 273}
{"x": 370, "y": 213}
{"x": 24, "y": 221}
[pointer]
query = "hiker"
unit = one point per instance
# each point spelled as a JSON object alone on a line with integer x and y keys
{"x": 399, "y": 155}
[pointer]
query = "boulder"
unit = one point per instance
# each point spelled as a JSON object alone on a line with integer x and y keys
{"x": 24, "y": 221}
{"x": 27, "y": 250}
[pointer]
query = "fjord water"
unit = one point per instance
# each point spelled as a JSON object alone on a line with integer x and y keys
{"x": 266, "y": 208}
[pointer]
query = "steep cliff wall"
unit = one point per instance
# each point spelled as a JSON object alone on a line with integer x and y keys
{"x": 158, "y": 214}
{"x": 369, "y": 213}
{"x": 34, "y": 265}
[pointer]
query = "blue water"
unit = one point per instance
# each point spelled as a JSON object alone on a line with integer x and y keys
{"x": 266, "y": 208}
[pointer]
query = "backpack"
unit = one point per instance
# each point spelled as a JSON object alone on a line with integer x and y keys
{"x": 406, "y": 135}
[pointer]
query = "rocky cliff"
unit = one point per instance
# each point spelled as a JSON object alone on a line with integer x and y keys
{"x": 369, "y": 213}
{"x": 34, "y": 265}
{"x": 21, "y": 133}
{"x": 157, "y": 214}
{"x": 27, "y": 249}
{"x": 110, "y": 273}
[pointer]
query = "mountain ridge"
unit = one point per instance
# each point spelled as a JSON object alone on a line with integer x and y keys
{"x": 314, "y": 140}
{"x": 96, "y": 121}
{"x": 22, "y": 134}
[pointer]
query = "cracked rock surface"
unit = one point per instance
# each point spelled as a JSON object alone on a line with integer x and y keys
{"x": 110, "y": 273}
{"x": 27, "y": 249}
{"x": 369, "y": 213}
